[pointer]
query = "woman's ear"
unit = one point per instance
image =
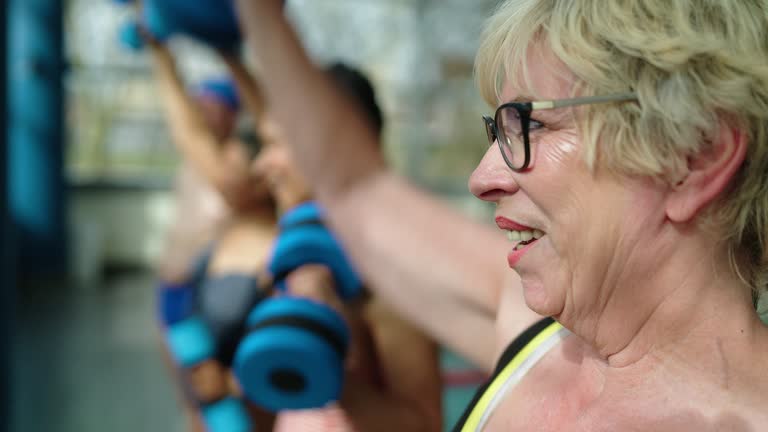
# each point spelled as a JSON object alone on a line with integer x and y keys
{"x": 709, "y": 174}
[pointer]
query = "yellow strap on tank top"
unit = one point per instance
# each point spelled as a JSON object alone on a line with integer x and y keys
{"x": 476, "y": 416}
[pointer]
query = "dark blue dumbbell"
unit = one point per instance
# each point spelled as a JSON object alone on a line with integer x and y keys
{"x": 293, "y": 354}
{"x": 211, "y": 21}
{"x": 175, "y": 303}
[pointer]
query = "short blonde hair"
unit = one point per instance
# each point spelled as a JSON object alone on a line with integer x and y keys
{"x": 693, "y": 64}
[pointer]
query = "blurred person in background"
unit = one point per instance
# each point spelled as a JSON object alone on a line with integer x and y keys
{"x": 392, "y": 370}
{"x": 214, "y": 180}
{"x": 225, "y": 216}
{"x": 393, "y": 377}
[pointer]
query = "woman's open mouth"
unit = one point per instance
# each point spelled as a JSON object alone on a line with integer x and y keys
{"x": 523, "y": 236}
{"x": 520, "y": 249}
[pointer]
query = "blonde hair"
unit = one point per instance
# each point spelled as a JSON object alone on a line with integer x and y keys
{"x": 693, "y": 64}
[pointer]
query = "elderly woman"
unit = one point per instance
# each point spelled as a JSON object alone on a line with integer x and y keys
{"x": 629, "y": 168}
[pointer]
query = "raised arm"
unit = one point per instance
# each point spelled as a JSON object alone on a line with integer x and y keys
{"x": 194, "y": 139}
{"x": 435, "y": 266}
{"x": 410, "y": 396}
{"x": 247, "y": 86}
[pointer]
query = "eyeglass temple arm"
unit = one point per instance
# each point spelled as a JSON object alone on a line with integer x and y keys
{"x": 560, "y": 103}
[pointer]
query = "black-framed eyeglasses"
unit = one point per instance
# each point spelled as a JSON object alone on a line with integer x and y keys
{"x": 511, "y": 125}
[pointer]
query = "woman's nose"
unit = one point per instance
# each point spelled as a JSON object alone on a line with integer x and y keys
{"x": 492, "y": 179}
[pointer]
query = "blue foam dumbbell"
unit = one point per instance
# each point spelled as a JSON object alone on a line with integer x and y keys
{"x": 292, "y": 356}
{"x": 304, "y": 239}
{"x": 151, "y": 21}
{"x": 211, "y": 21}
{"x": 227, "y": 415}
{"x": 190, "y": 341}
{"x": 130, "y": 36}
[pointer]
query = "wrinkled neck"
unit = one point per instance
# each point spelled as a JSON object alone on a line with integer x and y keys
{"x": 686, "y": 301}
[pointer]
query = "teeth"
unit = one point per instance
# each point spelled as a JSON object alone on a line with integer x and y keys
{"x": 528, "y": 235}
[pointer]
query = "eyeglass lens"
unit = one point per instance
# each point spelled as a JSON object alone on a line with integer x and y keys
{"x": 509, "y": 123}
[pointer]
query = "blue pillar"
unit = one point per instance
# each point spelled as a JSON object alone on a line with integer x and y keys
{"x": 36, "y": 134}
{"x": 7, "y": 285}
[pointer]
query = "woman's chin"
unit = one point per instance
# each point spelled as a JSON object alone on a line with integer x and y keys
{"x": 539, "y": 299}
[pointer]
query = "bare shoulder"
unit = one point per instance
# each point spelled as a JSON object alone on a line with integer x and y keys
{"x": 551, "y": 395}
{"x": 749, "y": 397}
{"x": 695, "y": 396}
{"x": 571, "y": 389}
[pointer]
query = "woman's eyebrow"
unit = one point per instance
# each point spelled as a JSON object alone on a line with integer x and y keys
{"x": 521, "y": 98}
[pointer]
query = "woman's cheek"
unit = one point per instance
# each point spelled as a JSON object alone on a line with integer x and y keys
{"x": 560, "y": 150}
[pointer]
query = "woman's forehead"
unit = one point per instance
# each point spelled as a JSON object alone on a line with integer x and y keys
{"x": 542, "y": 76}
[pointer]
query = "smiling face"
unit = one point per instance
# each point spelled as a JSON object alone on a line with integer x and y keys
{"x": 576, "y": 234}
